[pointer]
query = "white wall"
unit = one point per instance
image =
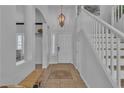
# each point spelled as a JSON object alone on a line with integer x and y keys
{"x": 38, "y": 49}
{"x": 8, "y": 44}
{"x": 120, "y": 24}
{"x": 39, "y": 16}
{"x": 105, "y": 13}
{"x": 44, "y": 11}
{"x": 20, "y": 13}
{"x": 45, "y": 48}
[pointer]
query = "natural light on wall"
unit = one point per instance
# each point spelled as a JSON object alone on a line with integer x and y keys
{"x": 53, "y": 44}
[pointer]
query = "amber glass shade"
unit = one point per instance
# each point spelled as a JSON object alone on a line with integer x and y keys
{"x": 61, "y": 20}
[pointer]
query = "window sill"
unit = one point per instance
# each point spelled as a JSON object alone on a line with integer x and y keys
{"x": 20, "y": 62}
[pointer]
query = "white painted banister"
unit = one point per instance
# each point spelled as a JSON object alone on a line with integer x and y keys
{"x": 97, "y": 19}
{"x": 118, "y": 62}
{"x": 112, "y": 56}
{"x": 105, "y": 40}
{"x": 106, "y": 48}
{"x": 103, "y": 44}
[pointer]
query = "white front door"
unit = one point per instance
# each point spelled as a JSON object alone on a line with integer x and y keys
{"x": 65, "y": 48}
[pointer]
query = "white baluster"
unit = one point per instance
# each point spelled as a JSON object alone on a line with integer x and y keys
{"x": 96, "y": 35}
{"x": 112, "y": 56}
{"x": 118, "y": 61}
{"x": 103, "y": 35}
{"x": 106, "y": 36}
{"x": 92, "y": 33}
{"x": 100, "y": 40}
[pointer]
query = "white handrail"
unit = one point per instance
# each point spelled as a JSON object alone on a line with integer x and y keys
{"x": 116, "y": 31}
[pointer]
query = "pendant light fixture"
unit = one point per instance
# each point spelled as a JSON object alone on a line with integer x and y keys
{"x": 61, "y": 18}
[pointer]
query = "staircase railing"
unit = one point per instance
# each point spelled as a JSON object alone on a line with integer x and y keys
{"x": 117, "y": 12}
{"x": 105, "y": 41}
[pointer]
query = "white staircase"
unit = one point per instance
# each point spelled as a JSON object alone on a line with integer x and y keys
{"x": 107, "y": 42}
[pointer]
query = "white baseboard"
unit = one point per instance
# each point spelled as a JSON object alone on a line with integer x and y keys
{"x": 88, "y": 86}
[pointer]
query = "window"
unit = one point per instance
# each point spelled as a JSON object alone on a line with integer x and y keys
{"x": 19, "y": 47}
